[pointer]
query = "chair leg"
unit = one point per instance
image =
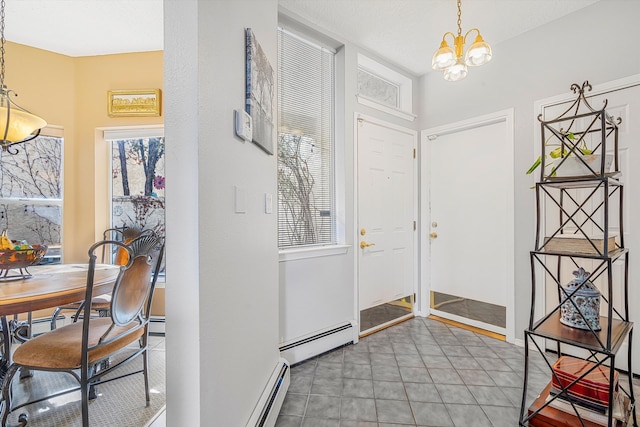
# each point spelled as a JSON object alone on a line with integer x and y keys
{"x": 145, "y": 367}
{"x": 6, "y": 392}
{"x": 85, "y": 402}
{"x": 54, "y": 318}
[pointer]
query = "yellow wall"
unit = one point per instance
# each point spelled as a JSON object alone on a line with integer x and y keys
{"x": 72, "y": 93}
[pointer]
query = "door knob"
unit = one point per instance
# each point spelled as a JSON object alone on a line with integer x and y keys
{"x": 433, "y": 235}
{"x": 364, "y": 244}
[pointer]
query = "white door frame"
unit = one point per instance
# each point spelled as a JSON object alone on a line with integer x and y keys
{"x": 426, "y": 135}
{"x": 355, "y": 236}
{"x": 538, "y": 108}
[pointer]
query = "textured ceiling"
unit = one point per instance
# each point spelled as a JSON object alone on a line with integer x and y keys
{"x": 86, "y": 27}
{"x": 405, "y": 32}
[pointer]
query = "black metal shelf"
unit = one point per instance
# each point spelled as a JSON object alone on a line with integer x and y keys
{"x": 573, "y": 231}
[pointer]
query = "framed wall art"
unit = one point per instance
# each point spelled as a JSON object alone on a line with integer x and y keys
{"x": 259, "y": 93}
{"x": 140, "y": 102}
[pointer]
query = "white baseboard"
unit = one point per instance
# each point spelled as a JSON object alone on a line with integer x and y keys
{"x": 268, "y": 407}
{"x": 318, "y": 342}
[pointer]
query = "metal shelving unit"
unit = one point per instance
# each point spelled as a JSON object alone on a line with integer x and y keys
{"x": 579, "y": 210}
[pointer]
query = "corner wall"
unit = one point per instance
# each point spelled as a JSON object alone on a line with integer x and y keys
{"x": 72, "y": 93}
{"x": 222, "y": 336}
{"x": 590, "y": 44}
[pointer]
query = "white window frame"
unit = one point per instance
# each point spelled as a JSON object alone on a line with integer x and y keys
{"x": 338, "y": 247}
{"x": 55, "y": 132}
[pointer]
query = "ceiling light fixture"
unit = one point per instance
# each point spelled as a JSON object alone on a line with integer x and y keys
{"x": 450, "y": 61}
{"x": 17, "y": 125}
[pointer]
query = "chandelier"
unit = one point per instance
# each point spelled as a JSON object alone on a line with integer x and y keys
{"x": 451, "y": 62}
{"x": 17, "y": 125}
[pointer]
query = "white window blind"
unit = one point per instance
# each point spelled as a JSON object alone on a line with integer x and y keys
{"x": 306, "y": 202}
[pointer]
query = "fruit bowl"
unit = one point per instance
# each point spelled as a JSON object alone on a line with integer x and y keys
{"x": 20, "y": 259}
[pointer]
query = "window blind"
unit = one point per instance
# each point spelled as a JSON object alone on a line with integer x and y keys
{"x": 306, "y": 202}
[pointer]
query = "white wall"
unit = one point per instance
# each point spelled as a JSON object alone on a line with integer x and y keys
{"x": 596, "y": 44}
{"x": 318, "y": 293}
{"x": 222, "y": 313}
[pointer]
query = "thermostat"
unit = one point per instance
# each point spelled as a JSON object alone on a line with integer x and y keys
{"x": 243, "y": 124}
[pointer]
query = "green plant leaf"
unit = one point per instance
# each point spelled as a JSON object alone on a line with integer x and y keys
{"x": 556, "y": 153}
{"x": 534, "y": 165}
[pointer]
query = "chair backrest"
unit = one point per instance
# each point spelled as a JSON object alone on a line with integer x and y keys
{"x": 136, "y": 281}
{"x": 135, "y": 286}
{"x": 125, "y": 235}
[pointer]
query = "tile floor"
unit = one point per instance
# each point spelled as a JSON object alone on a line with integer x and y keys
{"x": 419, "y": 373}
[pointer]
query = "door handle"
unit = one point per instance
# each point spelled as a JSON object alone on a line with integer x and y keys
{"x": 364, "y": 244}
{"x": 433, "y": 235}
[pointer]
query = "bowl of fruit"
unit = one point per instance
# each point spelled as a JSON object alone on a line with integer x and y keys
{"x": 18, "y": 255}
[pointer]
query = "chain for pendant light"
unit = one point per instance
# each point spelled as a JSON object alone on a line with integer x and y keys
{"x": 2, "y": 40}
{"x": 459, "y": 17}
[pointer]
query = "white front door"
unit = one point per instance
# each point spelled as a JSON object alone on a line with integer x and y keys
{"x": 467, "y": 178}
{"x": 386, "y": 212}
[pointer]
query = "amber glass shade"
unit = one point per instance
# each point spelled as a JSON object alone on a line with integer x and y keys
{"x": 16, "y": 122}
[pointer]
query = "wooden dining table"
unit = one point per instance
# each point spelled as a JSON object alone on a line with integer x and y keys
{"x": 48, "y": 286}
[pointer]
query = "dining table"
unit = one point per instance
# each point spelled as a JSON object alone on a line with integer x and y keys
{"x": 47, "y": 286}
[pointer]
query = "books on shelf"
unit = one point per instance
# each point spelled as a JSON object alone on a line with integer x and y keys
{"x": 601, "y": 418}
{"x": 587, "y": 403}
{"x": 579, "y": 243}
{"x": 543, "y": 414}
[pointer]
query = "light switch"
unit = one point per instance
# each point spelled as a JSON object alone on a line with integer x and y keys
{"x": 268, "y": 203}
{"x": 241, "y": 199}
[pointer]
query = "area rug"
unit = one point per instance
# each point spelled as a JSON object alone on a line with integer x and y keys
{"x": 120, "y": 403}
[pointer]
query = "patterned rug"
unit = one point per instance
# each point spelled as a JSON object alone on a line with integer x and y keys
{"x": 120, "y": 403}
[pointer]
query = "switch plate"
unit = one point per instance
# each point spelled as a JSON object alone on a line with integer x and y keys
{"x": 241, "y": 199}
{"x": 242, "y": 124}
{"x": 268, "y": 203}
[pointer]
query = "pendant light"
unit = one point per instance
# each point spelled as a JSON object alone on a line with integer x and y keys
{"x": 17, "y": 125}
{"x": 450, "y": 60}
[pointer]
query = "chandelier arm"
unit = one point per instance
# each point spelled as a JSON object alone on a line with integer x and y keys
{"x": 449, "y": 33}
{"x": 469, "y": 32}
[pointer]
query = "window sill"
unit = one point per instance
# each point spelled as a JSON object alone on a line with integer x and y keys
{"x": 312, "y": 252}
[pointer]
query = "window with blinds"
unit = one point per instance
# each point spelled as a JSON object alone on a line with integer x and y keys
{"x": 306, "y": 201}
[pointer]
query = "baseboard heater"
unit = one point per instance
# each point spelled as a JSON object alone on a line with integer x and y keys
{"x": 268, "y": 408}
{"x": 317, "y": 343}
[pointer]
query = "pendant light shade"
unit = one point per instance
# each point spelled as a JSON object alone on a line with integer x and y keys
{"x": 457, "y": 71}
{"x": 450, "y": 60}
{"x": 444, "y": 57}
{"x": 479, "y": 53}
{"x": 17, "y": 125}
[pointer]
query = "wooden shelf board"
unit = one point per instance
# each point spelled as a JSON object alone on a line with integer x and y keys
{"x": 552, "y": 328}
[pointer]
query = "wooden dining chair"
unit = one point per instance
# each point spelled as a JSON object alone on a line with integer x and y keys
{"x": 110, "y": 253}
{"x": 77, "y": 348}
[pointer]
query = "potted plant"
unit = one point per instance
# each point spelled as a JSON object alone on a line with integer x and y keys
{"x": 587, "y": 164}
